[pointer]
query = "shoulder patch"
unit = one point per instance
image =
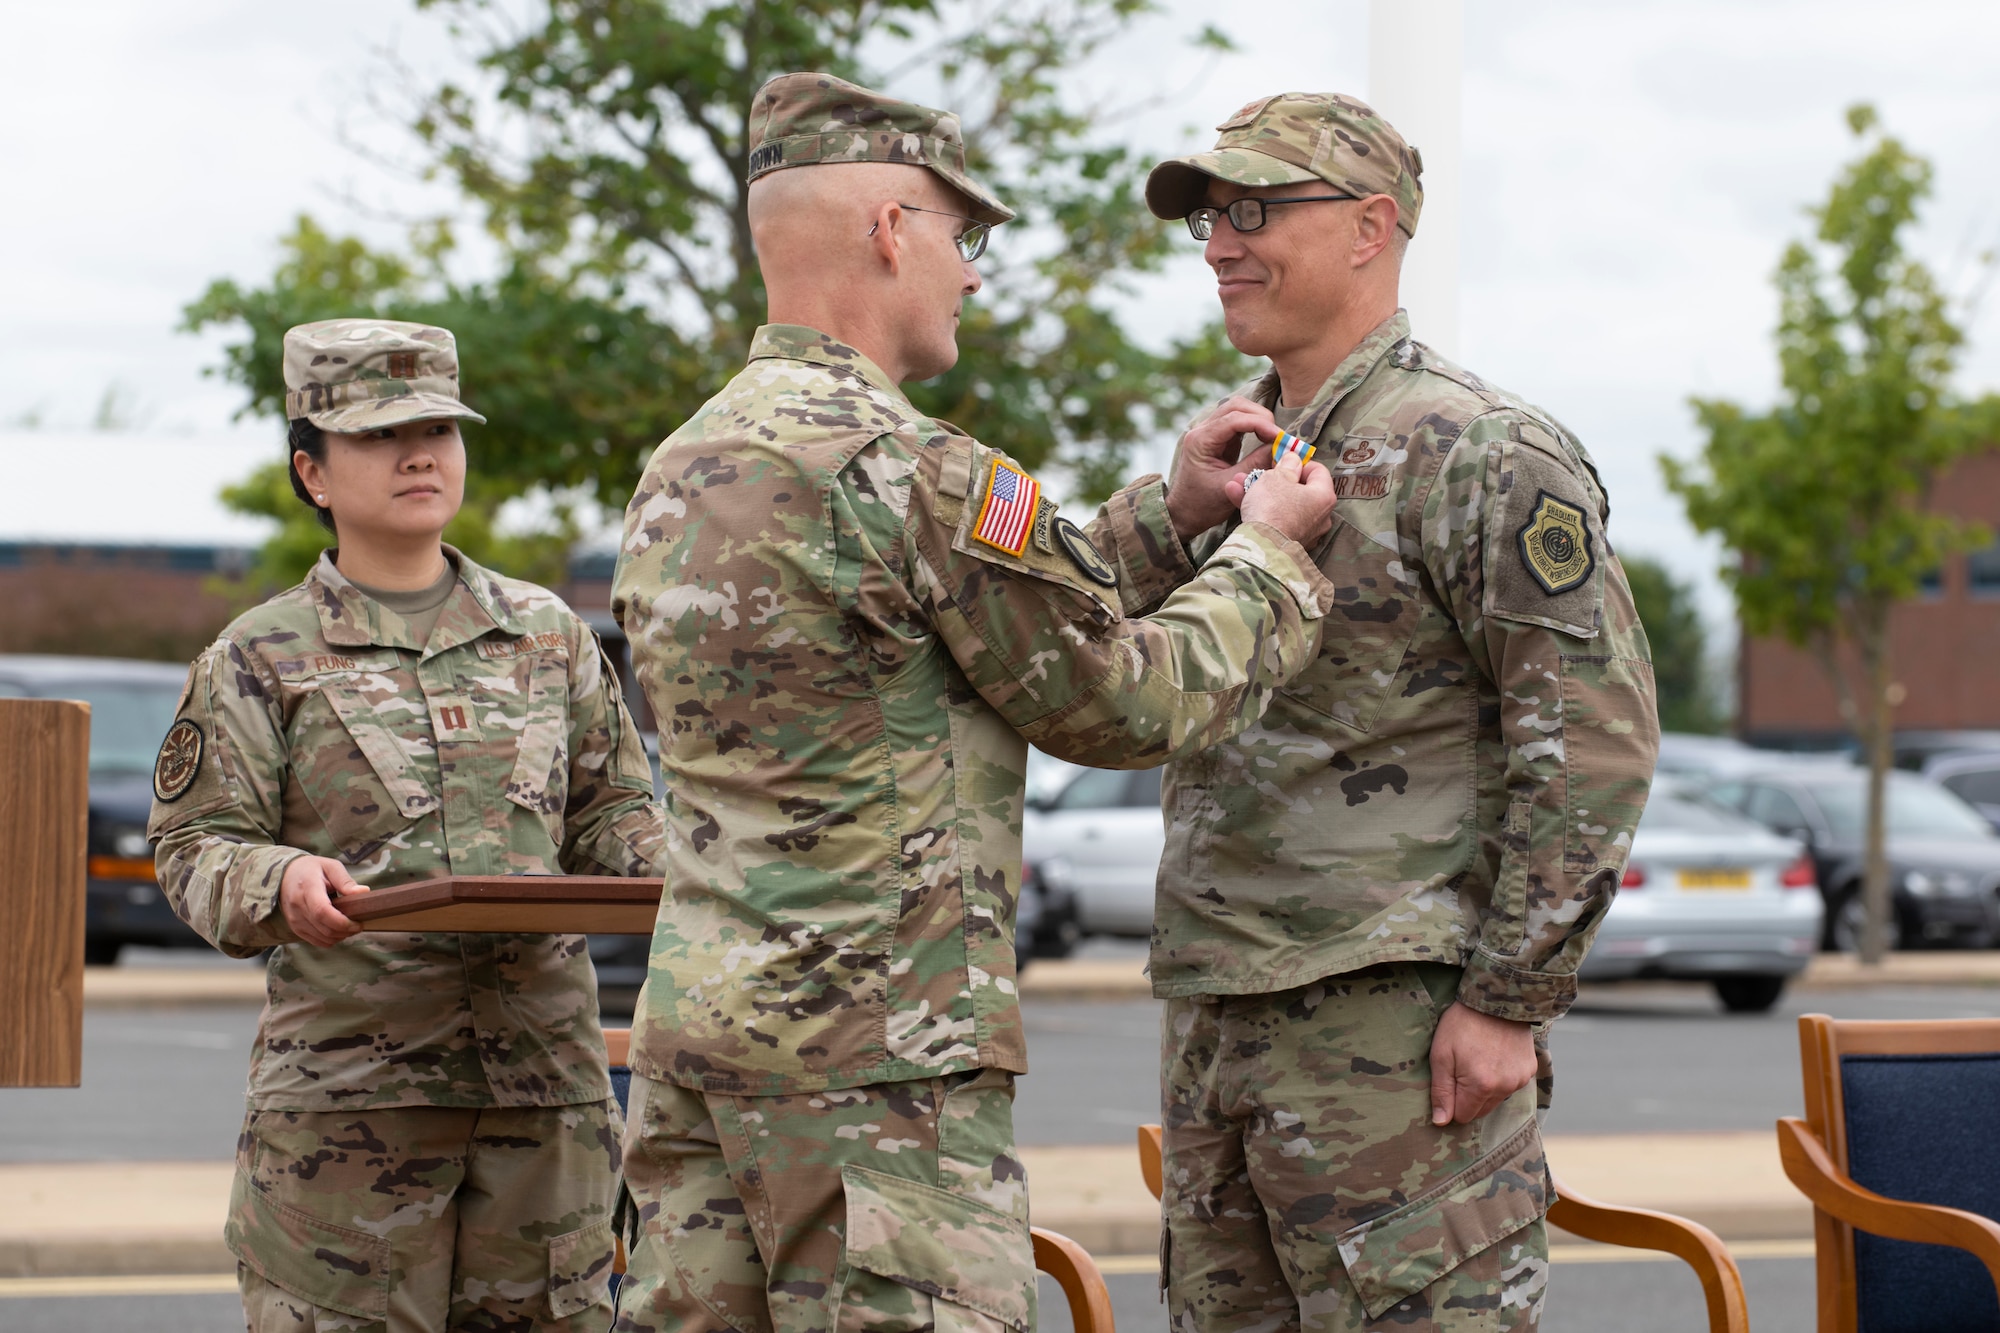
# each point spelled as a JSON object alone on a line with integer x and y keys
{"x": 1084, "y": 551}
{"x": 1007, "y": 516}
{"x": 1555, "y": 545}
{"x": 179, "y": 762}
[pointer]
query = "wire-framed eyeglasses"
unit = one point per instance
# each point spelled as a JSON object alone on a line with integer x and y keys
{"x": 971, "y": 241}
{"x": 1247, "y": 214}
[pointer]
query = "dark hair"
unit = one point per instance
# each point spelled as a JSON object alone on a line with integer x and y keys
{"x": 311, "y": 440}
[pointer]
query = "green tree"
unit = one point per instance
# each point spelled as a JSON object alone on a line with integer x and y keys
{"x": 602, "y": 142}
{"x": 1680, "y": 647}
{"x": 1823, "y": 499}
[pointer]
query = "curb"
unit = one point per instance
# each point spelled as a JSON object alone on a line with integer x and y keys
{"x": 75, "y": 1219}
{"x": 1099, "y": 979}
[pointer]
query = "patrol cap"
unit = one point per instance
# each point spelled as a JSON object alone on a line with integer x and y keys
{"x": 353, "y": 375}
{"x": 1294, "y": 137}
{"x": 803, "y": 120}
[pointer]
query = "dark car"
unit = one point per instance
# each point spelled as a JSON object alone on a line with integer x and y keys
{"x": 1944, "y": 859}
{"x": 131, "y": 706}
{"x": 1973, "y": 778}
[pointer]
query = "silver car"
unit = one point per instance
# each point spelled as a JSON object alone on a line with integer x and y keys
{"x": 1709, "y": 895}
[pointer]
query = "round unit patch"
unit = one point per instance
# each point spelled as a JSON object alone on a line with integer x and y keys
{"x": 179, "y": 762}
{"x": 1093, "y": 564}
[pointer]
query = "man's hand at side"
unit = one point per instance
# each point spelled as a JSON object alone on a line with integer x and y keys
{"x": 1296, "y": 501}
{"x": 1477, "y": 1062}
{"x": 1207, "y": 462}
{"x": 306, "y": 896}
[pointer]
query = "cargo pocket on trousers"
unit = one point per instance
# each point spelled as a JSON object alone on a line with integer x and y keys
{"x": 919, "y": 1258}
{"x": 1395, "y": 1256}
{"x": 580, "y": 1270}
{"x": 316, "y": 1261}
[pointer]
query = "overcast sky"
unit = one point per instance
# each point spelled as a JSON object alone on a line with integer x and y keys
{"x": 1632, "y": 172}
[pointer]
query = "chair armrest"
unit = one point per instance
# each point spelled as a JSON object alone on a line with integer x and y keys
{"x": 1076, "y": 1272}
{"x": 1150, "y": 1153}
{"x": 1645, "y": 1229}
{"x": 1809, "y": 1167}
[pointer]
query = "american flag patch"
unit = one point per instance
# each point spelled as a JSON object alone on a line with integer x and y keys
{"x": 1008, "y": 516}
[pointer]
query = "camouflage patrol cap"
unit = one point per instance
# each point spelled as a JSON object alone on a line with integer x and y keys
{"x": 804, "y": 120}
{"x": 1293, "y": 137}
{"x": 354, "y": 375}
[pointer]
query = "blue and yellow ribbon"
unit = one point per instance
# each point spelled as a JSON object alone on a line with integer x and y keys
{"x": 1288, "y": 443}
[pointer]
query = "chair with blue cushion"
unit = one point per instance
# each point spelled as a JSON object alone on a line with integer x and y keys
{"x": 1055, "y": 1254}
{"x": 1899, "y": 1152}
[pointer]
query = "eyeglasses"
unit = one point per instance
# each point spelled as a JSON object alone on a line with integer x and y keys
{"x": 971, "y": 242}
{"x": 1247, "y": 214}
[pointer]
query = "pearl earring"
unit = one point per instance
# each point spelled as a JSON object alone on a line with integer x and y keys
{"x": 322, "y": 499}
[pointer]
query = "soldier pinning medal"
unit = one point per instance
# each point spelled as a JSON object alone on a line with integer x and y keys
{"x": 852, "y": 620}
{"x": 1372, "y": 904}
{"x": 430, "y": 1141}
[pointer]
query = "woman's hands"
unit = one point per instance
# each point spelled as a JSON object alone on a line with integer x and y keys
{"x": 306, "y": 895}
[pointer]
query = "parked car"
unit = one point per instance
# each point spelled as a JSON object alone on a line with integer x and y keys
{"x": 1973, "y": 778}
{"x": 1944, "y": 858}
{"x": 1684, "y": 754}
{"x": 1915, "y": 749}
{"x": 1709, "y": 895}
{"x": 1095, "y": 849}
{"x": 131, "y": 706}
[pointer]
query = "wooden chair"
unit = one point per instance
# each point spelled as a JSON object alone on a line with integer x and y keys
{"x": 1900, "y": 1143}
{"x": 1636, "y": 1228}
{"x": 1055, "y": 1254}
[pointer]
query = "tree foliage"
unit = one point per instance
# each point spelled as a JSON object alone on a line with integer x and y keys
{"x": 602, "y": 143}
{"x": 1680, "y": 647}
{"x": 1823, "y": 500}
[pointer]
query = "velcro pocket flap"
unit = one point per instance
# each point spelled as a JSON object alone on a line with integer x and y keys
{"x": 580, "y": 1269}
{"x": 316, "y": 1261}
{"x": 932, "y": 1240}
{"x": 383, "y": 749}
{"x": 1393, "y": 1257}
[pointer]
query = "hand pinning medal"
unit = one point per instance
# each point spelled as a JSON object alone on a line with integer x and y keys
{"x": 1290, "y": 444}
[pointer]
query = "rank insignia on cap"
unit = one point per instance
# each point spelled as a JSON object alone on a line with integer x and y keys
{"x": 1555, "y": 545}
{"x": 1288, "y": 443}
{"x": 1008, "y": 516}
{"x": 179, "y": 761}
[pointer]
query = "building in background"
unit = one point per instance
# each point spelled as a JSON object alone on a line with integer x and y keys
{"x": 1946, "y": 645}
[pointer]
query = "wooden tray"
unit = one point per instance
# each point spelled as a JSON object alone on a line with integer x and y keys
{"x": 512, "y": 904}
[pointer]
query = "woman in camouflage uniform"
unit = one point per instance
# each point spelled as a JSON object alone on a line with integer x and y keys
{"x": 430, "y": 1141}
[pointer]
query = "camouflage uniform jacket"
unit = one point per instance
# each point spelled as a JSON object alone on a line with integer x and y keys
{"x": 845, "y": 675}
{"x": 316, "y": 724}
{"x": 1457, "y": 777}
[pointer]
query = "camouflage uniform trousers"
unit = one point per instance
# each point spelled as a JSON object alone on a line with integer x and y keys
{"x": 892, "y": 1207}
{"x": 1305, "y": 1186}
{"x": 425, "y": 1217}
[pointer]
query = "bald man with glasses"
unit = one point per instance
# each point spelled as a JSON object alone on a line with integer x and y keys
{"x": 851, "y": 620}
{"x": 1373, "y": 902}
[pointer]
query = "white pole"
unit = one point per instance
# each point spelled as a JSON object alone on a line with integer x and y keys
{"x": 1416, "y": 62}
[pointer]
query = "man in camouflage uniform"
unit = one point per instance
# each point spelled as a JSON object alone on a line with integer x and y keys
{"x": 850, "y": 620}
{"x": 1373, "y": 901}
{"x": 430, "y": 1140}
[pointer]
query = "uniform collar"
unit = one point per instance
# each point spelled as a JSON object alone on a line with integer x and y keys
{"x": 1346, "y": 377}
{"x": 796, "y": 342}
{"x": 349, "y": 618}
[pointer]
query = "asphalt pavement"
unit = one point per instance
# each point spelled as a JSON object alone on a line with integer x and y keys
{"x": 166, "y": 1084}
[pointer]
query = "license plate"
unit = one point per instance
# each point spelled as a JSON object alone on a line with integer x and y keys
{"x": 1727, "y": 881}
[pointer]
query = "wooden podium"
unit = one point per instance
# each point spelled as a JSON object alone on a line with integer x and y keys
{"x": 512, "y": 904}
{"x": 44, "y": 824}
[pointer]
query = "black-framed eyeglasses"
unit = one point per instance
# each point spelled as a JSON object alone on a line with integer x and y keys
{"x": 971, "y": 242}
{"x": 1247, "y": 214}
